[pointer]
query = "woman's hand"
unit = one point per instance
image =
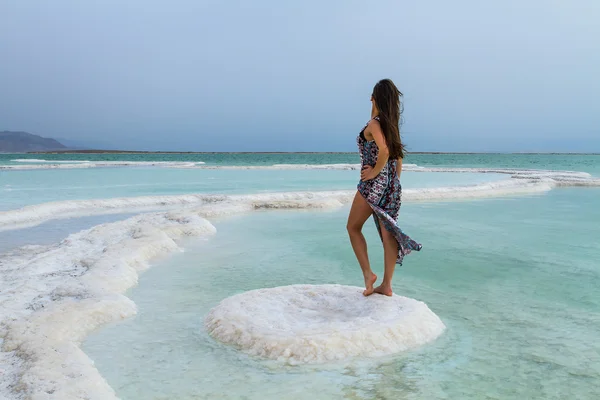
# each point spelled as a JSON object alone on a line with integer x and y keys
{"x": 367, "y": 173}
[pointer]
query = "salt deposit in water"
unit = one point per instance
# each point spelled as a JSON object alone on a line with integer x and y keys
{"x": 301, "y": 324}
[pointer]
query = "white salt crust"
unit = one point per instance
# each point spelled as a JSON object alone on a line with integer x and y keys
{"x": 310, "y": 324}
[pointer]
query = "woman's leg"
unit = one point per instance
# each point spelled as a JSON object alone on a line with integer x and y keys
{"x": 359, "y": 213}
{"x": 390, "y": 254}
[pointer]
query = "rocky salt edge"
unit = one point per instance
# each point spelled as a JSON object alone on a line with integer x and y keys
{"x": 53, "y": 296}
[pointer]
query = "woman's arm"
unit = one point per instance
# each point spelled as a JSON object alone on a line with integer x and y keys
{"x": 374, "y": 129}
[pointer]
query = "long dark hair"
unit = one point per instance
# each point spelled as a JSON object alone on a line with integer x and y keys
{"x": 388, "y": 102}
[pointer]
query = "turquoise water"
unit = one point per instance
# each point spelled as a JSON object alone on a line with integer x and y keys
{"x": 587, "y": 163}
{"x": 515, "y": 281}
{"x": 19, "y": 188}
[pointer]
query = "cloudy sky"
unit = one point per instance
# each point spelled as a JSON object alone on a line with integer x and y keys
{"x": 260, "y": 75}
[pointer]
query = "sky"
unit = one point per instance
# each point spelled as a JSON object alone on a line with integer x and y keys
{"x": 194, "y": 75}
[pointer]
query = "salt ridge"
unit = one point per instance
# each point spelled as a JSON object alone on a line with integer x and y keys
{"x": 51, "y": 297}
{"x": 36, "y": 160}
{"x": 522, "y": 182}
{"x": 80, "y": 164}
{"x": 34, "y": 164}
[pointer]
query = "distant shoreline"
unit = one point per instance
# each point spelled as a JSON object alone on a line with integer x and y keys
{"x": 280, "y": 152}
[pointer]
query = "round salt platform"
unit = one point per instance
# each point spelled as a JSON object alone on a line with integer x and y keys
{"x": 301, "y": 324}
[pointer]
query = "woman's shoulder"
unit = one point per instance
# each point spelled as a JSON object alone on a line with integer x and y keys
{"x": 373, "y": 122}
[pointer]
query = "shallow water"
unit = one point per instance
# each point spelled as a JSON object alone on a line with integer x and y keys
{"x": 577, "y": 162}
{"x": 20, "y": 188}
{"x": 515, "y": 280}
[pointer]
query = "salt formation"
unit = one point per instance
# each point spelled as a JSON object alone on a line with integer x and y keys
{"x": 302, "y": 324}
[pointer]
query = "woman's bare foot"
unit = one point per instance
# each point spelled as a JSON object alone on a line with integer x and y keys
{"x": 384, "y": 289}
{"x": 369, "y": 282}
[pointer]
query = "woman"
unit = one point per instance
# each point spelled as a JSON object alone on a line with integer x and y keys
{"x": 379, "y": 190}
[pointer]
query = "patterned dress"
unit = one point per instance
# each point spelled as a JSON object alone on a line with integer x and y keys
{"x": 383, "y": 193}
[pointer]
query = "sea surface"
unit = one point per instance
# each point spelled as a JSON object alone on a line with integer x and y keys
{"x": 111, "y": 262}
{"x": 575, "y": 162}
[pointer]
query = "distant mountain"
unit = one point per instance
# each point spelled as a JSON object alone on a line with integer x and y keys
{"x": 22, "y": 142}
